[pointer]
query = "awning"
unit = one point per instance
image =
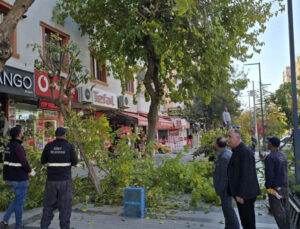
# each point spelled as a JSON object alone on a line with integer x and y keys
{"x": 163, "y": 124}
{"x": 141, "y": 121}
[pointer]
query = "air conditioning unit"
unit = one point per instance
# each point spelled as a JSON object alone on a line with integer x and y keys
{"x": 85, "y": 95}
{"x": 123, "y": 101}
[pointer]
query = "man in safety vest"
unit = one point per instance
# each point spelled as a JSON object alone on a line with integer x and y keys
{"x": 16, "y": 170}
{"x": 59, "y": 155}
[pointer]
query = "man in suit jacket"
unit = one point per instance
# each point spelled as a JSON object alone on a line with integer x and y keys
{"x": 242, "y": 178}
{"x": 221, "y": 184}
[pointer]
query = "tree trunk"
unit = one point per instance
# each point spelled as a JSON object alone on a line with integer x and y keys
{"x": 153, "y": 87}
{"x": 8, "y": 26}
{"x": 152, "y": 119}
{"x": 90, "y": 167}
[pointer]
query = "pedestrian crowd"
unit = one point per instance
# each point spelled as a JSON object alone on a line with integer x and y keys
{"x": 235, "y": 178}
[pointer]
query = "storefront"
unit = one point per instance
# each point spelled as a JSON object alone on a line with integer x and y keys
{"x": 18, "y": 104}
{"x": 49, "y": 116}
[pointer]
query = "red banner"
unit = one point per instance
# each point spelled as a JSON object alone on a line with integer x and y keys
{"x": 42, "y": 86}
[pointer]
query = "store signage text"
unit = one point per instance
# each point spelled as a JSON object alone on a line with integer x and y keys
{"x": 104, "y": 99}
{"x": 43, "y": 87}
{"x": 16, "y": 81}
{"x": 175, "y": 111}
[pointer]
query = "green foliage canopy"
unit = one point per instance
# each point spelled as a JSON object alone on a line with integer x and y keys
{"x": 195, "y": 39}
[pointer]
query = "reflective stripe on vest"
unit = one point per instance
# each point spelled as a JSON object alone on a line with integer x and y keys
{"x": 12, "y": 164}
{"x": 59, "y": 164}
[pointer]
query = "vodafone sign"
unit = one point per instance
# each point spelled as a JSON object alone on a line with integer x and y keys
{"x": 43, "y": 86}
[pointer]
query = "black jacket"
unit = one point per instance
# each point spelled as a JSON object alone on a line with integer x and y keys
{"x": 242, "y": 177}
{"x": 276, "y": 171}
{"x": 60, "y": 155}
{"x": 16, "y": 167}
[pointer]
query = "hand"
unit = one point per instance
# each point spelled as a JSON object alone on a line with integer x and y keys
{"x": 32, "y": 173}
{"x": 239, "y": 199}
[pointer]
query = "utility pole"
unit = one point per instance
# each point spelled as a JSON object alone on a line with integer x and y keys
{"x": 254, "y": 115}
{"x": 249, "y": 95}
{"x": 294, "y": 91}
{"x": 261, "y": 104}
{"x": 262, "y": 110}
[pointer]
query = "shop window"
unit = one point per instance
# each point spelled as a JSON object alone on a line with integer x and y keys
{"x": 25, "y": 115}
{"x": 129, "y": 87}
{"x": 98, "y": 71}
{"x": 47, "y": 32}
{"x": 4, "y": 8}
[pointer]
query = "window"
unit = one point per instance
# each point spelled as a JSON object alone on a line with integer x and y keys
{"x": 98, "y": 72}
{"x": 129, "y": 87}
{"x": 47, "y": 30}
{"x": 4, "y": 8}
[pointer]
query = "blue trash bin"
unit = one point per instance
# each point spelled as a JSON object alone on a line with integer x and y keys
{"x": 134, "y": 202}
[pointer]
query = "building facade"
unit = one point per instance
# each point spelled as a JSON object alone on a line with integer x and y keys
{"x": 286, "y": 75}
{"x": 25, "y": 92}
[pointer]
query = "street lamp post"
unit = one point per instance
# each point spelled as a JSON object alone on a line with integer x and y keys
{"x": 261, "y": 105}
{"x": 294, "y": 91}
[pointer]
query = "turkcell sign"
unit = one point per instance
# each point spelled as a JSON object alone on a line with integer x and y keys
{"x": 17, "y": 82}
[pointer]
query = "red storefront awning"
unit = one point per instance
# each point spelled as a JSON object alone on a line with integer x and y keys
{"x": 142, "y": 121}
{"x": 163, "y": 124}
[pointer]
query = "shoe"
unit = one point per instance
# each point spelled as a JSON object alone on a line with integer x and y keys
{"x": 3, "y": 225}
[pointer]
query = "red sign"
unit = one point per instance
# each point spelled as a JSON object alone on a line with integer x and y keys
{"x": 42, "y": 86}
{"x": 47, "y": 105}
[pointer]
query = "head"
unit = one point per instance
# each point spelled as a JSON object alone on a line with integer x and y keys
{"x": 225, "y": 109}
{"x": 16, "y": 133}
{"x": 220, "y": 144}
{"x": 273, "y": 143}
{"x": 233, "y": 138}
{"x": 60, "y": 133}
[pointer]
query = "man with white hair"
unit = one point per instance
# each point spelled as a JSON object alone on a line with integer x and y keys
{"x": 242, "y": 178}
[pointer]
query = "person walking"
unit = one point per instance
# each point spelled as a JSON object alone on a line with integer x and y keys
{"x": 60, "y": 155}
{"x": 242, "y": 178}
{"x": 221, "y": 184}
{"x": 276, "y": 174}
{"x": 15, "y": 171}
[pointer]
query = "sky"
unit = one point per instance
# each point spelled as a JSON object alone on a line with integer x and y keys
{"x": 274, "y": 55}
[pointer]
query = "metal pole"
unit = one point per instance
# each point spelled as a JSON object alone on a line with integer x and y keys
{"x": 262, "y": 109}
{"x": 249, "y": 94}
{"x": 254, "y": 114}
{"x": 294, "y": 92}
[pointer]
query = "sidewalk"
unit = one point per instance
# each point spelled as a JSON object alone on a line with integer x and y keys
{"x": 108, "y": 217}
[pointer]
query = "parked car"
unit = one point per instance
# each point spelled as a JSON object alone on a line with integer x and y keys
{"x": 161, "y": 148}
{"x": 286, "y": 143}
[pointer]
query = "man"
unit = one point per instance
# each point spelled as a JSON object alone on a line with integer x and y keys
{"x": 15, "y": 171}
{"x": 242, "y": 178}
{"x": 254, "y": 142}
{"x": 276, "y": 173}
{"x": 221, "y": 184}
{"x": 226, "y": 118}
{"x": 60, "y": 156}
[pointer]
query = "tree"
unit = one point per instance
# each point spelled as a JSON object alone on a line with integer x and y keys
{"x": 8, "y": 26}
{"x": 187, "y": 41}
{"x": 65, "y": 71}
{"x": 282, "y": 98}
{"x": 211, "y": 114}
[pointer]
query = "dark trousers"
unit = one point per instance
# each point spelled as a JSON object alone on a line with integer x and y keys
{"x": 247, "y": 213}
{"x": 279, "y": 208}
{"x": 231, "y": 220}
{"x": 58, "y": 195}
